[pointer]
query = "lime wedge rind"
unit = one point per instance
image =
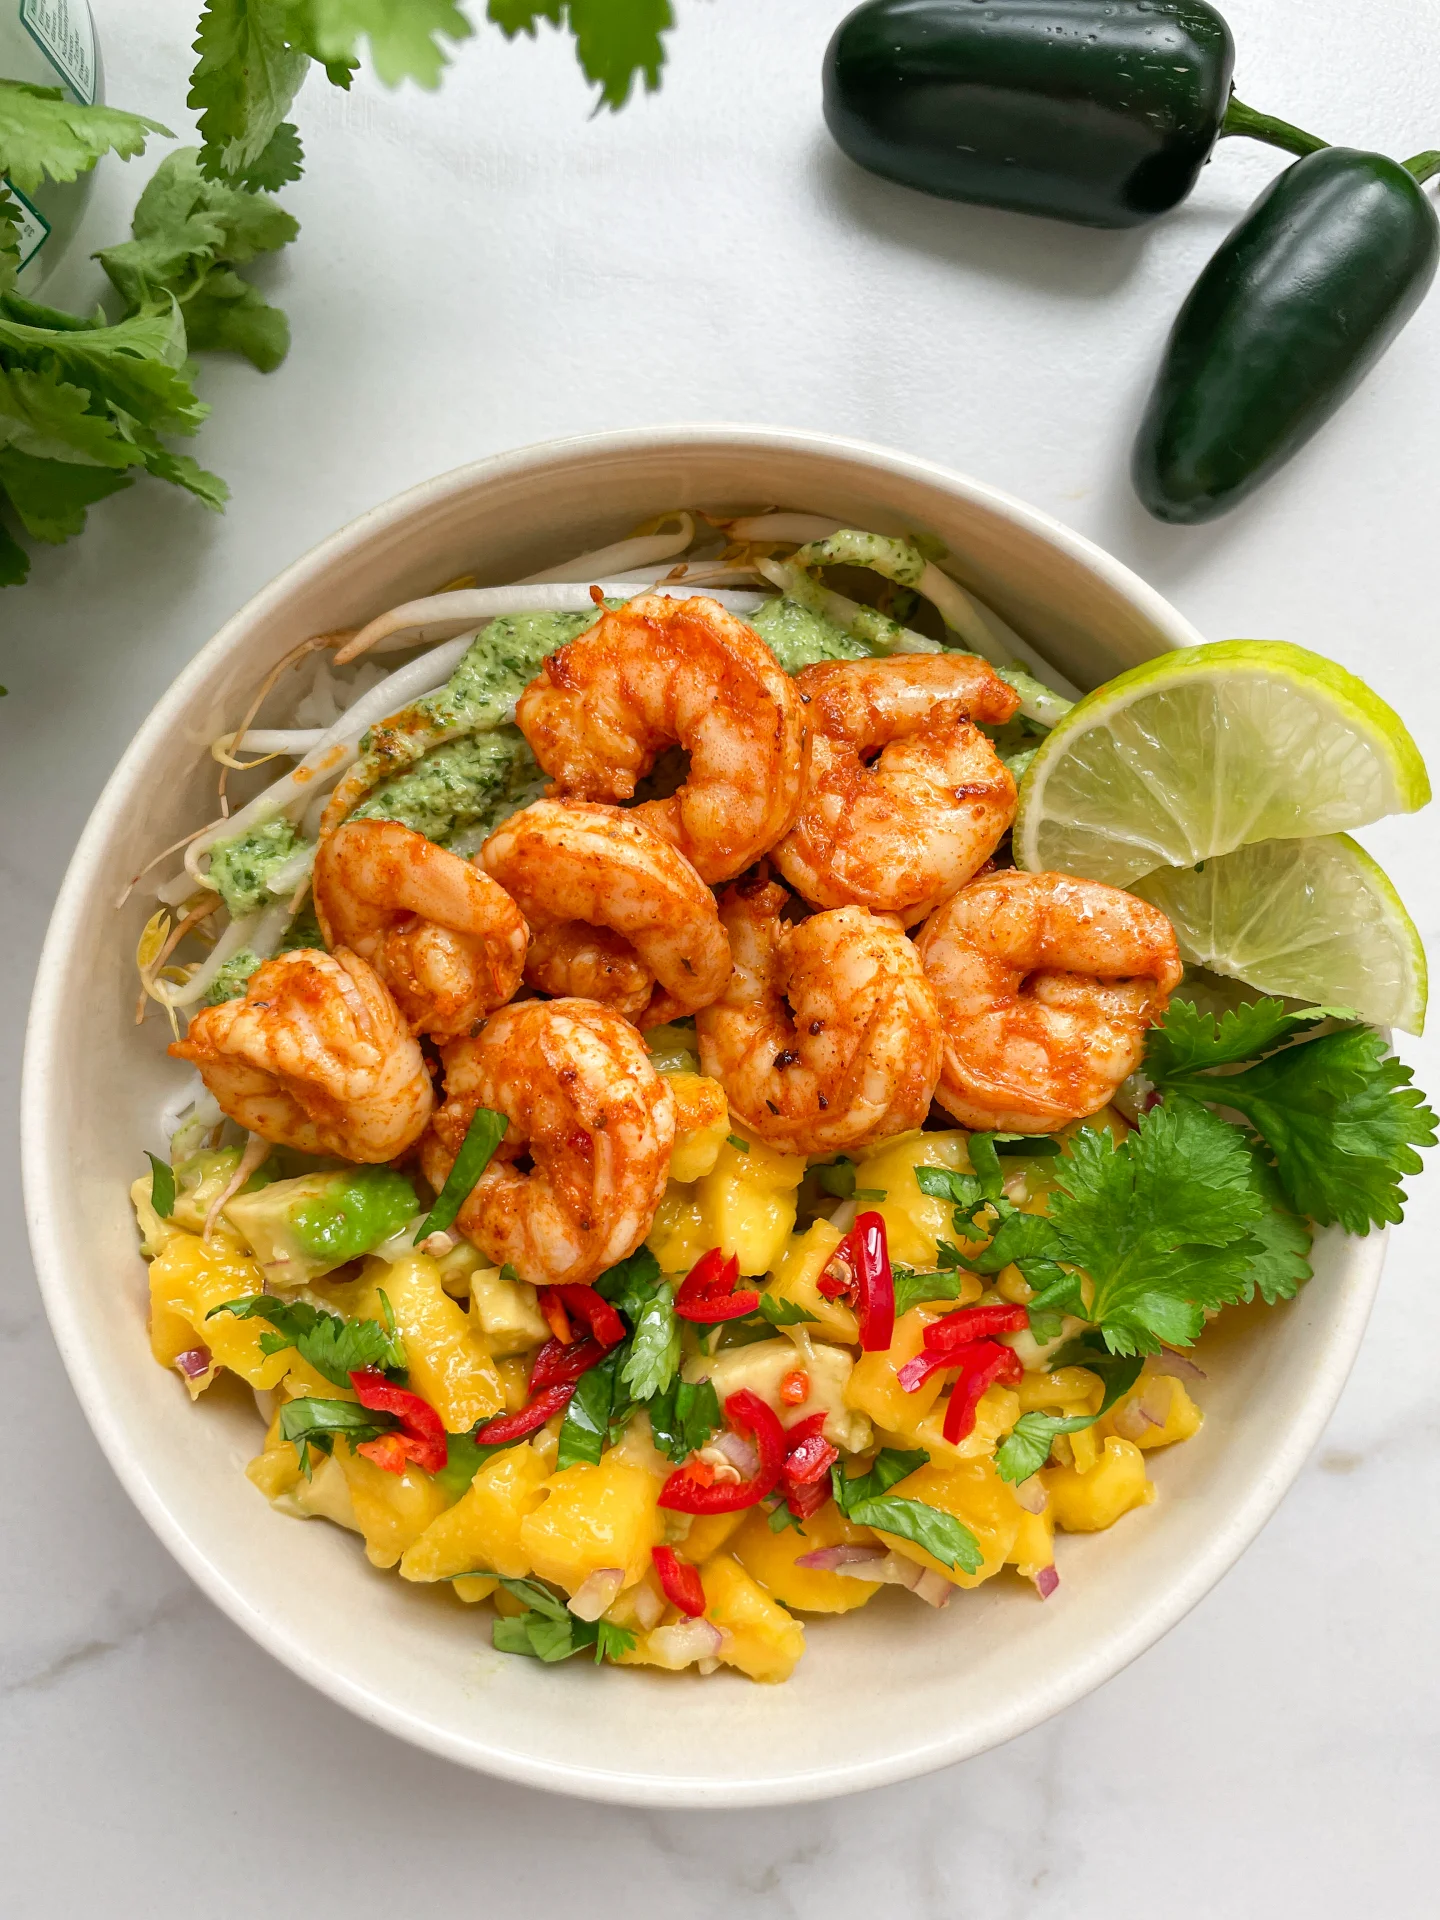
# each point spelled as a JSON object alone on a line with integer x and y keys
{"x": 1316, "y": 920}
{"x": 1206, "y": 749}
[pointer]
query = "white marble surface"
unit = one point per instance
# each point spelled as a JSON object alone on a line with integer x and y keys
{"x": 491, "y": 267}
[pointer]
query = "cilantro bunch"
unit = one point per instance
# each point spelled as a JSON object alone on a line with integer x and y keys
{"x": 1194, "y": 1212}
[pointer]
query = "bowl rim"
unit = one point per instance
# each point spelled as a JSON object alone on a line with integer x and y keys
{"x": 43, "y": 1196}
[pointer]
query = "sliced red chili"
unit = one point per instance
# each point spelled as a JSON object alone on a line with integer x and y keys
{"x": 555, "y": 1363}
{"x": 388, "y": 1451}
{"x": 679, "y": 1581}
{"x": 947, "y": 1340}
{"x": 684, "y": 1492}
{"x": 982, "y": 1365}
{"x": 795, "y": 1387}
{"x": 533, "y": 1415}
{"x": 809, "y": 1457}
{"x": 707, "y": 1291}
{"x": 859, "y": 1271}
{"x": 805, "y": 1499}
{"x": 422, "y": 1431}
{"x": 552, "y": 1310}
{"x": 586, "y": 1304}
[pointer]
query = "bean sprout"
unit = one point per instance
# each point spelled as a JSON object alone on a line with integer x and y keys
{"x": 643, "y": 550}
{"x": 861, "y": 623}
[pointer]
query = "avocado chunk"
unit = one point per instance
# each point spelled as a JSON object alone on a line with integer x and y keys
{"x": 301, "y": 1229}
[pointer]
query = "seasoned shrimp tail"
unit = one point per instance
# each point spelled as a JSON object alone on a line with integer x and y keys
{"x": 1046, "y": 987}
{"x": 618, "y": 915}
{"x": 828, "y": 1034}
{"x": 316, "y": 1056}
{"x": 905, "y": 799}
{"x": 447, "y": 941}
{"x": 658, "y": 673}
{"x": 589, "y": 1112}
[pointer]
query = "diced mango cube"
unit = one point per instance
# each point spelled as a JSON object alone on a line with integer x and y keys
{"x": 678, "y": 1233}
{"x": 707, "y": 1533}
{"x": 1090, "y": 1502}
{"x": 391, "y": 1509}
{"x": 874, "y": 1387}
{"x": 761, "y": 1638}
{"x": 765, "y": 1364}
{"x": 1157, "y": 1412}
{"x": 914, "y": 1221}
{"x": 1034, "y": 1545}
{"x": 747, "y": 1203}
{"x": 995, "y": 1415}
{"x": 506, "y": 1313}
{"x": 188, "y": 1278}
{"x": 590, "y": 1518}
{"x": 482, "y": 1530}
{"x": 770, "y": 1558}
{"x": 449, "y": 1363}
{"x": 702, "y": 1122}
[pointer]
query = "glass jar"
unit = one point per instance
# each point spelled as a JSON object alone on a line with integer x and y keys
{"x": 50, "y": 43}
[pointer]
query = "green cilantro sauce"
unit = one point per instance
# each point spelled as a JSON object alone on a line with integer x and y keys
{"x": 240, "y": 869}
{"x": 468, "y": 785}
{"x": 799, "y": 638}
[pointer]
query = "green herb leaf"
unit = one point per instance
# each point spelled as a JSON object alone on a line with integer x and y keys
{"x": 630, "y": 1284}
{"x": 1019, "y": 1237}
{"x": 615, "y": 40}
{"x": 890, "y": 1465}
{"x": 334, "y": 1347}
{"x": 44, "y": 136}
{"x": 1187, "y": 1041}
{"x": 547, "y": 1630}
{"x": 784, "y": 1313}
{"x": 162, "y": 1186}
{"x": 585, "y": 1428}
{"x": 1026, "y": 1448}
{"x": 780, "y": 1517}
{"x": 483, "y": 1135}
{"x": 464, "y": 1457}
{"x": 913, "y": 1289}
{"x": 837, "y": 1178}
{"x": 315, "y": 1423}
{"x": 404, "y": 36}
{"x": 944, "y": 1537}
{"x": 252, "y": 63}
{"x": 684, "y": 1417}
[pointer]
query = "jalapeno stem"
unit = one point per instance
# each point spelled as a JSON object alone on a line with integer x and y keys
{"x": 1424, "y": 165}
{"x": 1240, "y": 119}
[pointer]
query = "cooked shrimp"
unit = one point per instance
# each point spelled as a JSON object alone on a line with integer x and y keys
{"x": 446, "y": 940}
{"x": 618, "y": 915}
{"x": 1046, "y": 987}
{"x": 661, "y": 673}
{"x": 316, "y": 1056}
{"x": 595, "y": 1119}
{"x": 900, "y": 833}
{"x": 828, "y": 1035}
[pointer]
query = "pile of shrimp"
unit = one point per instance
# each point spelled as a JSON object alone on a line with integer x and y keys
{"x": 820, "y": 893}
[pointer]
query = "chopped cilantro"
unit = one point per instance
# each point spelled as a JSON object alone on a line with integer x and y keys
{"x": 334, "y": 1347}
{"x": 547, "y": 1630}
{"x": 162, "y": 1186}
{"x": 586, "y": 1426}
{"x": 484, "y": 1133}
{"x": 866, "y": 1499}
{"x": 1026, "y": 1447}
{"x": 683, "y": 1417}
{"x": 315, "y": 1423}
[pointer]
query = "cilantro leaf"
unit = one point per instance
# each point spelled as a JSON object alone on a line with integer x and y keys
{"x": 1280, "y": 1266}
{"x": 652, "y": 1354}
{"x": 162, "y": 1186}
{"x": 404, "y": 36}
{"x": 547, "y": 1630}
{"x": 50, "y": 497}
{"x": 334, "y": 1347}
{"x": 190, "y": 233}
{"x": 252, "y": 63}
{"x": 1187, "y": 1041}
{"x": 1160, "y": 1225}
{"x": 683, "y": 1417}
{"x": 615, "y": 40}
{"x": 315, "y": 1423}
{"x": 44, "y": 136}
{"x": 784, "y": 1313}
{"x": 629, "y": 1284}
{"x": 1340, "y": 1118}
{"x": 1026, "y": 1447}
{"x": 866, "y": 1499}
{"x": 912, "y": 1288}
{"x": 483, "y": 1135}
{"x": 464, "y": 1457}
{"x": 1019, "y": 1237}
{"x": 585, "y": 1428}
{"x": 282, "y": 161}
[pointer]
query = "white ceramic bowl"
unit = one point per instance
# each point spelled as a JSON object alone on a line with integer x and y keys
{"x": 882, "y": 1694}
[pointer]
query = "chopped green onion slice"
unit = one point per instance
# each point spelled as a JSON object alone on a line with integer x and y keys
{"x": 740, "y": 1146}
{"x": 482, "y": 1136}
{"x": 162, "y": 1186}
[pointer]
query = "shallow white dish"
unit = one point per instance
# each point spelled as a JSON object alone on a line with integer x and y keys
{"x": 883, "y": 1694}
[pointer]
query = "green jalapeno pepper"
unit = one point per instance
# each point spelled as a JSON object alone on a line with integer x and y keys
{"x": 1098, "y": 111}
{"x": 1291, "y": 313}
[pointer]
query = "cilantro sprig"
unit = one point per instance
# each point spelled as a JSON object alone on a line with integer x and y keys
{"x": 316, "y": 1423}
{"x": 1337, "y": 1114}
{"x": 335, "y": 1348}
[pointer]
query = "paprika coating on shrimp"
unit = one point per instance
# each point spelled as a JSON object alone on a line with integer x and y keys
{"x": 905, "y": 799}
{"x": 315, "y": 1056}
{"x": 616, "y": 913}
{"x": 657, "y": 673}
{"x": 1046, "y": 985}
{"x": 595, "y": 1120}
{"x": 828, "y": 1034}
{"x": 447, "y": 941}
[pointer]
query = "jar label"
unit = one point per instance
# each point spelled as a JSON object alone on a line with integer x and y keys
{"x": 33, "y": 230}
{"x": 65, "y": 34}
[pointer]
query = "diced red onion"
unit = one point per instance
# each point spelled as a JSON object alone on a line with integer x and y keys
{"x": 832, "y": 1559}
{"x": 597, "y": 1593}
{"x": 194, "y": 1362}
{"x": 1171, "y": 1362}
{"x": 1046, "y": 1581}
{"x": 649, "y": 1604}
{"x": 933, "y": 1588}
{"x": 1132, "y": 1420}
{"x": 1031, "y": 1494}
{"x": 740, "y": 1454}
{"x": 687, "y": 1640}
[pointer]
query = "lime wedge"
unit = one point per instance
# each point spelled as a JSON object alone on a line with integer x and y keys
{"x": 1312, "y": 920}
{"x": 1208, "y": 749}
